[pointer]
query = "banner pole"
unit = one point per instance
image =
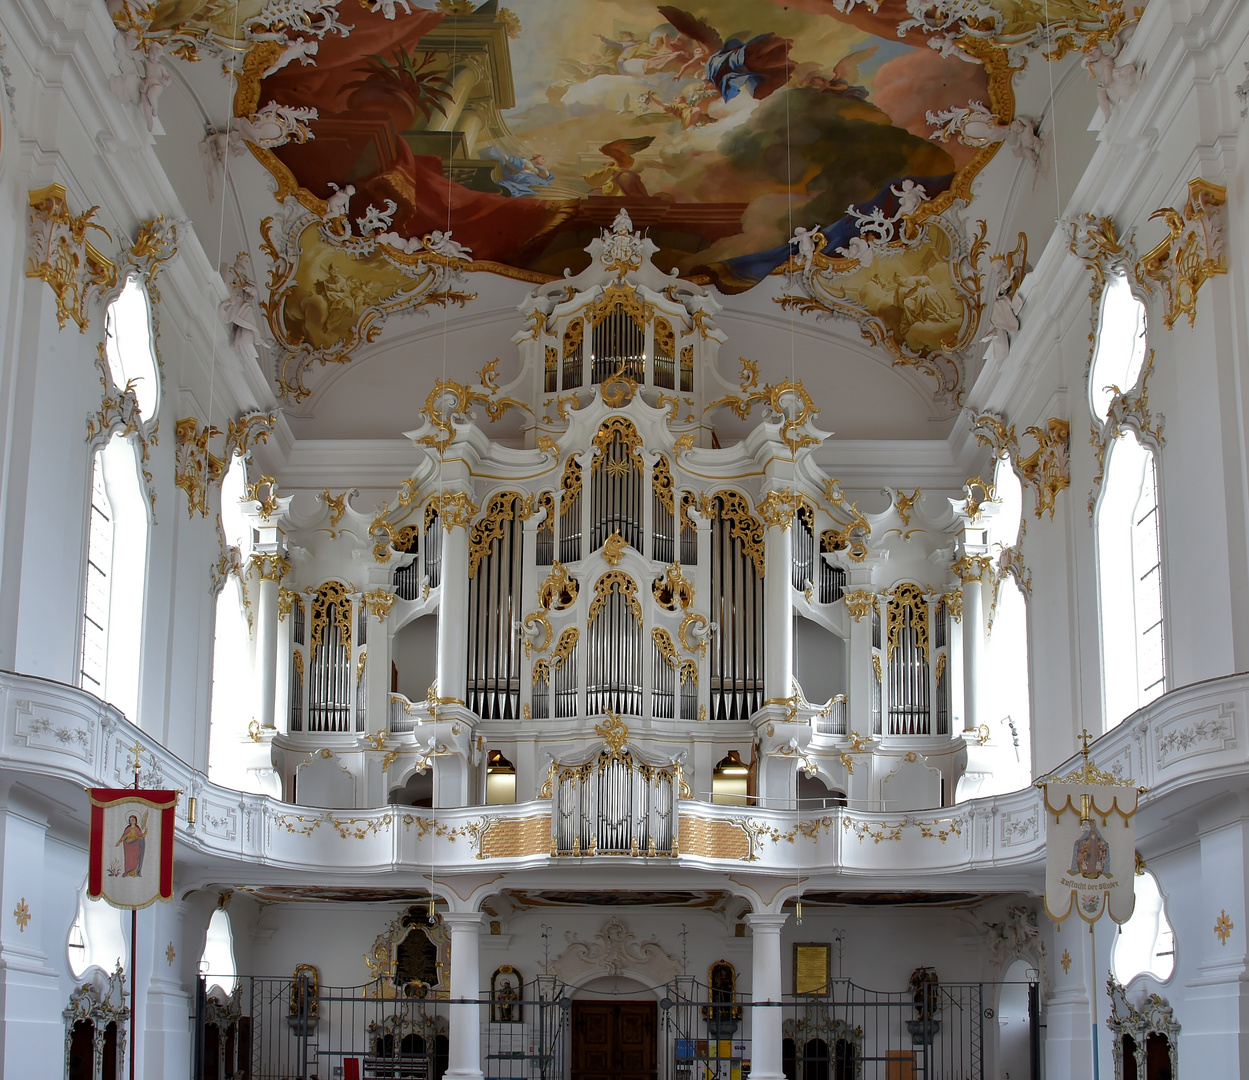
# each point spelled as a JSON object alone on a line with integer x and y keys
{"x": 1093, "y": 1000}
{"x": 134, "y": 941}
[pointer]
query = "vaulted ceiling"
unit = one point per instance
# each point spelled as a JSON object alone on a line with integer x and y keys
{"x": 903, "y": 145}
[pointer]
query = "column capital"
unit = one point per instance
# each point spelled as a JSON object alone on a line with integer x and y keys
{"x": 463, "y": 920}
{"x": 767, "y": 921}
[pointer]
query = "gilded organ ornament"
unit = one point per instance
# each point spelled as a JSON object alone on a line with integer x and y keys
{"x": 60, "y": 254}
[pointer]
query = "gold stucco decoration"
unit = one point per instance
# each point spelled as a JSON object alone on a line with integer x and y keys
{"x": 60, "y": 254}
{"x": 1193, "y": 252}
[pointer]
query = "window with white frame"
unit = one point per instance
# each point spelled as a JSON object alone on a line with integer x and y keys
{"x": 1005, "y": 685}
{"x": 232, "y": 703}
{"x": 1145, "y": 944}
{"x": 1129, "y": 560}
{"x": 1128, "y": 535}
{"x": 115, "y": 575}
{"x": 217, "y": 961}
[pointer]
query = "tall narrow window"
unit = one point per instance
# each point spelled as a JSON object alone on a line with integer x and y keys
{"x": 1129, "y": 547}
{"x": 1130, "y": 571}
{"x": 99, "y": 561}
{"x": 114, "y": 580}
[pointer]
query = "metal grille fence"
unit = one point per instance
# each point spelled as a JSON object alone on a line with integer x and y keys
{"x": 291, "y": 1029}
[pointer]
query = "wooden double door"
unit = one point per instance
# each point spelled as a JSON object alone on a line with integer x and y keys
{"x": 615, "y": 1040}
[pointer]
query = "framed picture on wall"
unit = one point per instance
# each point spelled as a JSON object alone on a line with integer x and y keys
{"x": 812, "y": 967}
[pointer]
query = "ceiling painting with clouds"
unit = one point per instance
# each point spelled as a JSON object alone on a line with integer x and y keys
{"x": 834, "y": 142}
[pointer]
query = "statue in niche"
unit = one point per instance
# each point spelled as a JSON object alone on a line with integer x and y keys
{"x": 505, "y": 995}
{"x": 723, "y": 1014}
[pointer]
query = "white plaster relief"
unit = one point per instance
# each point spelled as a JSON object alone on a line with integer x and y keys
{"x": 66, "y": 734}
{"x": 1196, "y": 733}
{"x": 1018, "y": 827}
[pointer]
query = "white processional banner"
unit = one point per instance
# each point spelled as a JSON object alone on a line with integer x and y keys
{"x": 1090, "y": 849}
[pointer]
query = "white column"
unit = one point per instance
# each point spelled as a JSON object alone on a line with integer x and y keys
{"x": 464, "y": 1056}
{"x": 765, "y": 985}
{"x": 270, "y": 566}
{"x": 778, "y": 626}
{"x": 971, "y": 569}
{"x": 453, "y": 615}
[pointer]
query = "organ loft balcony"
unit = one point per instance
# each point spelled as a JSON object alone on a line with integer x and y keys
{"x": 488, "y": 631}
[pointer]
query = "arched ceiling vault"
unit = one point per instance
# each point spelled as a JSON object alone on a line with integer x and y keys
{"x": 841, "y": 171}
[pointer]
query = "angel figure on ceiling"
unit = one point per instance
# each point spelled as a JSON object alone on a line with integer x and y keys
{"x": 620, "y": 177}
{"x": 760, "y": 66}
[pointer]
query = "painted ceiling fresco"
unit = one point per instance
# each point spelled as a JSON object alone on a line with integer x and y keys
{"x": 729, "y": 129}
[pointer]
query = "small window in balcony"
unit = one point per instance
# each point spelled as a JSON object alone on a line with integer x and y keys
{"x": 500, "y": 780}
{"x": 728, "y": 780}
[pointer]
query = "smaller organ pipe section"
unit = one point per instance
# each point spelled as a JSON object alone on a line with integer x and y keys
{"x": 737, "y": 668}
{"x": 496, "y": 554}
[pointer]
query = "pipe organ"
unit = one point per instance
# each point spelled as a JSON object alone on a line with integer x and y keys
{"x": 620, "y": 564}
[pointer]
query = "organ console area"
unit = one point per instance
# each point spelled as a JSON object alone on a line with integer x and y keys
{"x": 606, "y": 607}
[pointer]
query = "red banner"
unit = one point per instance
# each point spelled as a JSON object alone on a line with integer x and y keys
{"x": 131, "y": 858}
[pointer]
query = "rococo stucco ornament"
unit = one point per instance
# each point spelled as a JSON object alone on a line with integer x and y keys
{"x": 60, "y": 254}
{"x": 1193, "y": 252}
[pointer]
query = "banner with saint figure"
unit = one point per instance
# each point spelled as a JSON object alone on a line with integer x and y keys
{"x": 1090, "y": 844}
{"x": 131, "y": 857}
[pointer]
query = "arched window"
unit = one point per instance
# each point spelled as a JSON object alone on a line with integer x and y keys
{"x": 232, "y": 700}
{"x": 1005, "y": 665}
{"x": 129, "y": 347}
{"x": 1146, "y": 943}
{"x": 96, "y": 938}
{"x": 1119, "y": 353}
{"x": 1129, "y": 558}
{"x": 115, "y": 576}
{"x": 1126, "y": 515}
{"x": 217, "y": 961}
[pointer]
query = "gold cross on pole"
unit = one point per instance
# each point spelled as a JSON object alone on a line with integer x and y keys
{"x": 1084, "y": 738}
{"x": 136, "y": 750}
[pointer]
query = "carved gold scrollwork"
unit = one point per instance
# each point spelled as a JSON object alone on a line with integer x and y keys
{"x": 734, "y": 508}
{"x": 904, "y": 503}
{"x": 614, "y": 732}
{"x": 1047, "y": 470}
{"x": 851, "y": 535}
{"x": 663, "y": 643}
{"x": 558, "y": 591}
{"x": 610, "y": 429}
{"x": 378, "y": 602}
{"x": 195, "y": 467}
{"x": 253, "y": 492}
{"x": 777, "y": 508}
{"x": 661, "y": 483}
{"x": 1193, "y": 253}
{"x": 563, "y": 648}
{"x": 697, "y": 624}
{"x": 953, "y": 601}
{"x": 60, "y": 254}
{"x": 533, "y": 621}
{"x": 501, "y": 508}
{"x": 270, "y": 565}
{"x": 622, "y": 583}
{"x": 287, "y": 599}
{"x": 859, "y": 603}
{"x": 455, "y": 509}
{"x": 673, "y": 590}
{"x": 772, "y": 396}
{"x": 570, "y": 485}
{"x": 614, "y": 548}
{"x": 973, "y": 568}
{"x": 907, "y": 596}
{"x": 339, "y": 595}
{"x": 449, "y": 399}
